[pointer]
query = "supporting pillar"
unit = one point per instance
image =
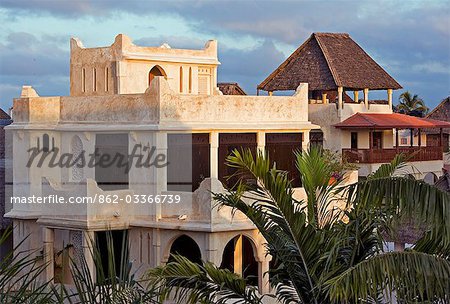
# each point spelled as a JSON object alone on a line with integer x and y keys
{"x": 441, "y": 137}
{"x": 355, "y": 96}
{"x": 366, "y": 98}
{"x": 88, "y": 239}
{"x": 389, "y": 97}
{"x": 412, "y": 137}
{"x": 270, "y": 93}
{"x": 396, "y": 138}
{"x": 263, "y": 276}
{"x": 324, "y": 98}
{"x": 161, "y": 173}
{"x": 340, "y": 97}
{"x": 214, "y": 154}
{"x": 420, "y": 137}
{"x": 261, "y": 141}
{"x": 238, "y": 256}
{"x": 48, "y": 237}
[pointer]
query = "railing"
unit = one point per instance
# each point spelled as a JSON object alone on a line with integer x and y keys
{"x": 372, "y": 156}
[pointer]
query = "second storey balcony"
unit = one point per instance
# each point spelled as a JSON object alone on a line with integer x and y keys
{"x": 373, "y": 156}
{"x": 370, "y": 138}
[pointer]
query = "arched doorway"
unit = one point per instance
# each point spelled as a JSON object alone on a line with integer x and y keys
{"x": 239, "y": 257}
{"x": 155, "y": 71}
{"x": 186, "y": 247}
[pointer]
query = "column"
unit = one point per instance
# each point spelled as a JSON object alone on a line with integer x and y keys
{"x": 411, "y": 137}
{"x": 441, "y": 137}
{"x": 420, "y": 137}
{"x": 396, "y": 138}
{"x": 389, "y": 97}
{"x": 261, "y": 141}
{"x": 340, "y": 98}
{"x": 48, "y": 237}
{"x": 270, "y": 93}
{"x": 324, "y": 98}
{"x": 263, "y": 276}
{"x": 305, "y": 140}
{"x": 356, "y": 96}
{"x": 366, "y": 98}
{"x": 214, "y": 154}
{"x": 238, "y": 256}
{"x": 161, "y": 173}
{"x": 88, "y": 244}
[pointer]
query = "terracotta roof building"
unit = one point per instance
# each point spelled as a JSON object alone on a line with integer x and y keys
{"x": 389, "y": 121}
{"x": 327, "y": 61}
{"x": 230, "y": 88}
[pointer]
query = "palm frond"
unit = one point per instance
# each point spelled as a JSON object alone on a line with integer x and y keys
{"x": 188, "y": 282}
{"x": 412, "y": 276}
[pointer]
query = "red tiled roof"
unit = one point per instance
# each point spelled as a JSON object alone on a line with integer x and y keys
{"x": 389, "y": 121}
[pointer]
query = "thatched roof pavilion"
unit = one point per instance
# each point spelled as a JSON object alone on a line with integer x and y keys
{"x": 330, "y": 62}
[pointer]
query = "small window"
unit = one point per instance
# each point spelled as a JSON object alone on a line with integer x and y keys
{"x": 190, "y": 80}
{"x": 181, "y": 79}
{"x": 45, "y": 143}
{"x": 83, "y": 80}
{"x": 94, "y": 76}
{"x": 107, "y": 79}
{"x": 404, "y": 141}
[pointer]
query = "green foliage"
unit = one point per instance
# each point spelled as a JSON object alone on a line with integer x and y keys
{"x": 410, "y": 104}
{"x": 325, "y": 254}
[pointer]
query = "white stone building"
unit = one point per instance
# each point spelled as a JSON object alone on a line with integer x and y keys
{"x": 126, "y": 98}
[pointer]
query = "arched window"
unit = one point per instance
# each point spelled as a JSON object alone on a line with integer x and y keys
{"x": 190, "y": 80}
{"x": 45, "y": 143}
{"x": 181, "y": 79}
{"x": 155, "y": 71}
{"x": 187, "y": 247}
{"x": 240, "y": 247}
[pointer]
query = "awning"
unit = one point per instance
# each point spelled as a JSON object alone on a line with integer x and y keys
{"x": 389, "y": 121}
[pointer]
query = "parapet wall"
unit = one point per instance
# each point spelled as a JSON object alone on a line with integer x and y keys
{"x": 160, "y": 105}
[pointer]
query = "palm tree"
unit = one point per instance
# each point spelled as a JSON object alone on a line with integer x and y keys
{"x": 411, "y": 105}
{"x": 325, "y": 254}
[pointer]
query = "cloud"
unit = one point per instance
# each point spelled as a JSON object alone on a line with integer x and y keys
{"x": 28, "y": 60}
{"x": 410, "y": 39}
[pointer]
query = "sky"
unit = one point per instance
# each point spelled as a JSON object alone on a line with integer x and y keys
{"x": 409, "y": 39}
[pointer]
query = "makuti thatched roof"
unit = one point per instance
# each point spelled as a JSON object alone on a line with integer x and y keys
{"x": 230, "y": 88}
{"x": 327, "y": 61}
{"x": 441, "y": 112}
{"x": 4, "y": 115}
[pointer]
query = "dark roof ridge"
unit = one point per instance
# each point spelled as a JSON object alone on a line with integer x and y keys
{"x": 331, "y": 34}
{"x": 446, "y": 99}
{"x": 327, "y": 59}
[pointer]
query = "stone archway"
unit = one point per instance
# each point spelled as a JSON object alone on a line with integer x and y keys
{"x": 154, "y": 72}
{"x": 187, "y": 247}
{"x": 239, "y": 257}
